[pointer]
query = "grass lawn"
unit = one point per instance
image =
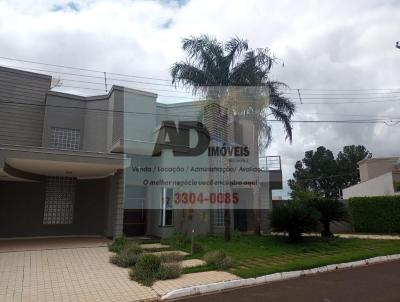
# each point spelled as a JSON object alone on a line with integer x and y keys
{"x": 259, "y": 255}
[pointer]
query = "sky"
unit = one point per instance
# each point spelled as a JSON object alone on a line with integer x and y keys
{"x": 333, "y": 51}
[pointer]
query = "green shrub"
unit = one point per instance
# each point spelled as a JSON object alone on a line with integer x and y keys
{"x": 380, "y": 214}
{"x": 128, "y": 256}
{"x": 330, "y": 210}
{"x": 218, "y": 259}
{"x": 237, "y": 235}
{"x": 171, "y": 257}
{"x": 118, "y": 244}
{"x": 294, "y": 218}
{"x": 179, "y": 240}
{"x": 146, "y": 269}
{"x": 169, "y": 270}
{"x": 197, "y": 248}
{"x": 396, "y": 186}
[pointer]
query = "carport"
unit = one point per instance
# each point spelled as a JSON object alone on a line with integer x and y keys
{"x": 47, "y": 192}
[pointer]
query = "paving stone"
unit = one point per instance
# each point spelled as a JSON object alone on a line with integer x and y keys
{"x": 192, "y": 263}
{"x": 169, "y": 252}
{"x": 154, "y": 246}
{"x": 67, "y": 274}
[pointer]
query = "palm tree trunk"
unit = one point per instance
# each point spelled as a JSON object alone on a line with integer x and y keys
{"x": 326, "y": 229}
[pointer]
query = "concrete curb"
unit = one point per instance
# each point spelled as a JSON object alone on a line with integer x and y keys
{"x": 225, "y": 285}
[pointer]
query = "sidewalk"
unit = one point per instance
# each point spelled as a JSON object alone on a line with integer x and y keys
{"x": 350, "y": 236}
{"x": 369, "y": 236}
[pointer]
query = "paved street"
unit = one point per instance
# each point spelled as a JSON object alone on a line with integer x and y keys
{"x": 375, "y": 283}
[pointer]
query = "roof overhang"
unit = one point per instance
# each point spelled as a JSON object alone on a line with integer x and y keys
{"x": 33, "y": 163}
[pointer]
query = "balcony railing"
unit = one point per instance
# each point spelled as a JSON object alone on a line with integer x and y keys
{"x": 270, "y": 163}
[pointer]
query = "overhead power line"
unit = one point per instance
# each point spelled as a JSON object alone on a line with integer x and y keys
{"x": 381, "y": 95}
{"x": 101, "y": 72}
{"x": 82, "y": 69}
{"x": 36, "y": 105}
{"x": 193, "y": 98}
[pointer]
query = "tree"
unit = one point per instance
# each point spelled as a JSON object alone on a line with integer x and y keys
{"x": 211, "y": 64}
{"x": 299, "y": 194}
{"x": 314, "y": 173}
{"x": 319, "y": 172}
{"x": 347, "y": 164}
{"x": 294, "y": 218}
{"x": 330, "y": 210}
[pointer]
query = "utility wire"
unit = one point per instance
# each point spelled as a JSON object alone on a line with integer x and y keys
{"x": 82, "y": 69}
{"x": 159, "y": 79}
{"x": 36, "y": 90}
{"x": 36, "y": 105}
{"x": 305, "y": 96}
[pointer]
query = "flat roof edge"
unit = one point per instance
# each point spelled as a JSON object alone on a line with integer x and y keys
{"x": 101, "y": 96}
{"x": 25, "y": 72}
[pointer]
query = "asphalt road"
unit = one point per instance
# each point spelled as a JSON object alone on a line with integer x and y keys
{"x": 373, "y": 283}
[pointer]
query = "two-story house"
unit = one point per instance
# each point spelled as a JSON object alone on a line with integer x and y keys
{"x": 73, "y": 165}
{"x": 379, "y": 176}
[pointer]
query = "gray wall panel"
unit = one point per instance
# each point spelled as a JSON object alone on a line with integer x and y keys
{"x": 16, "y": 89}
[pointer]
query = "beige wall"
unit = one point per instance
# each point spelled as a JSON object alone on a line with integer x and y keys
{"x": 374, "y": 167}
{"x": 378, "y": 186}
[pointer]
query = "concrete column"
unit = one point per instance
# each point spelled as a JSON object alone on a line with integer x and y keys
{"x": 265, "y": 220}
{"x": 119, "y": 203}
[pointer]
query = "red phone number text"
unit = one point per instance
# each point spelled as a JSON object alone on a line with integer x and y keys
{"x": 213, "y": 198}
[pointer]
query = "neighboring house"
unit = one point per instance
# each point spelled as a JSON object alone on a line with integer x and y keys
{"x": 379, "y": 177}
{"x": 66, "y": 164}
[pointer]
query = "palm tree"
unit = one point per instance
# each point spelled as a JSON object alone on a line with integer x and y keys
{"x": 212, "y": 64}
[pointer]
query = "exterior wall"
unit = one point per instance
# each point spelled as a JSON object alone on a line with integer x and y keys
{"x": 102, "y": 120}
{"x": 63, "y": 117}
{"x": 372, "y": 168}
{"x": 22, "y": 206}
{"x": 188, "y": 220}
{"x": 96, "y": 125}
{"x": 378, "y": 186}
{"x": 95, "y": 117}
{"x": 139, "y": 127}
{"x": 266, "y": 198}
{"x": 22, "y": 124}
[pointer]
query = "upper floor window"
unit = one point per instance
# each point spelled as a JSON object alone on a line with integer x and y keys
{"x": 65, "y": 138}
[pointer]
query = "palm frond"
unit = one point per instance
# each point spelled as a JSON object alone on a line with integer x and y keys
{"x": 285, "y": 119}
{"x": 234, "y": 48}
{"x": 214, "y": 69}
{"x": 188, "y": 76}
{"x": 283, "y": 104}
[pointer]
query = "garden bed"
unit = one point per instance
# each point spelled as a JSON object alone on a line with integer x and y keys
{"x": 259, "y": 255}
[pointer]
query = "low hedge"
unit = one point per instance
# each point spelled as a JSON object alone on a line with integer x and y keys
{"x": 379, "y": 214}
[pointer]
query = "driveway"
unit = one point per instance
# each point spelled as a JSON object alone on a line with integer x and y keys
{"x": 374, "y": 283}
{"x": 65, "y": 269}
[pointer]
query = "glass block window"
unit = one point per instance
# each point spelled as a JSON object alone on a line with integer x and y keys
{"x": 65, "y": 138}
{"x": 59, "y": 200}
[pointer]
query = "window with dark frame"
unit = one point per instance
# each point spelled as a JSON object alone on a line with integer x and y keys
{"x": 167, "y": 214}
